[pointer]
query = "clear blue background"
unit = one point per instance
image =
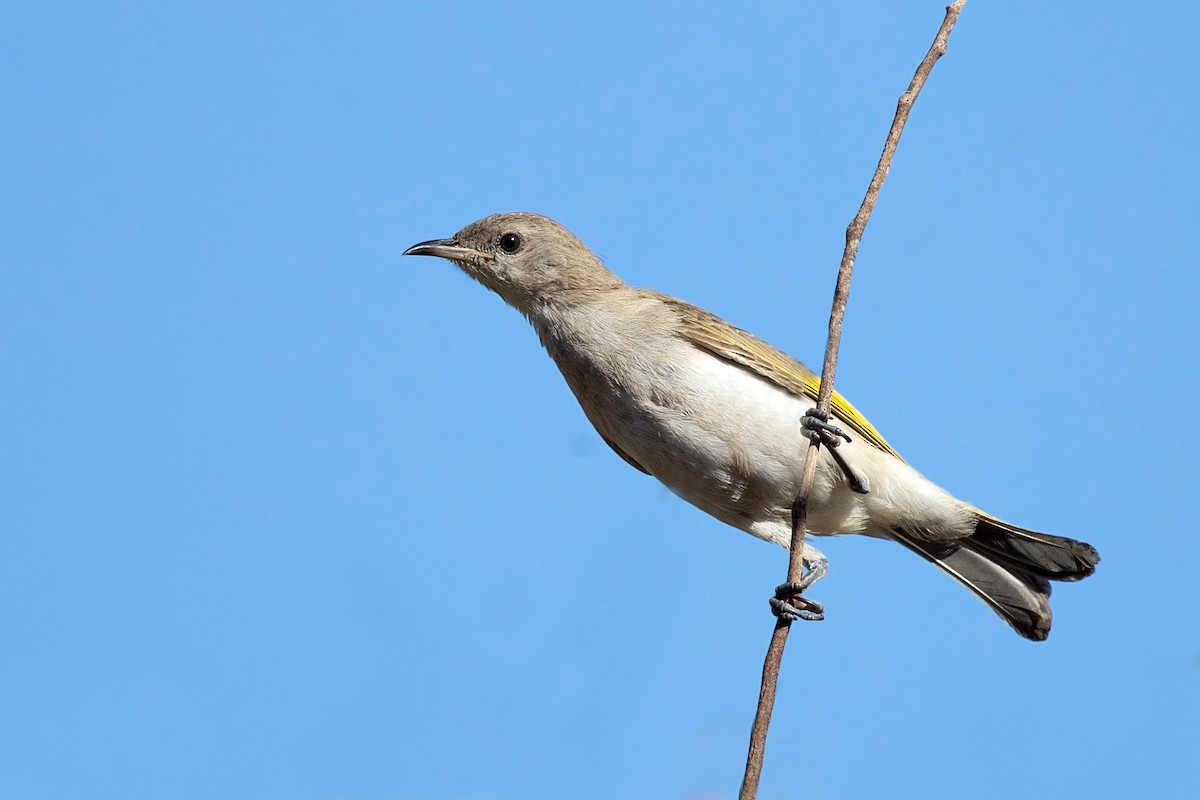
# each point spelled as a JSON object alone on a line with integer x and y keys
{"x": 286, "y": 515}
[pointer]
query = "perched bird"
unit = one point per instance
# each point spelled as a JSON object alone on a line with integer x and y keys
{"x": 719, "y": 416}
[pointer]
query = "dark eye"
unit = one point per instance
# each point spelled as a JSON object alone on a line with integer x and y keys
{"x": 511, "y": 242}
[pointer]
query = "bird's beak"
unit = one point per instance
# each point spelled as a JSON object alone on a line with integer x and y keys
{"x": 446, "y": 248}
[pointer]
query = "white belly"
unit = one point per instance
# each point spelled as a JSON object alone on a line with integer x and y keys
{"x": 730, "y": 443}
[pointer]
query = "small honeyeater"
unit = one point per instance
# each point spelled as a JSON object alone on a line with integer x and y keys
{"x": 723, "y": 420}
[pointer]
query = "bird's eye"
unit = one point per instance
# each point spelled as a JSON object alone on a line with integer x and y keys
{"x": 511, "y": 242}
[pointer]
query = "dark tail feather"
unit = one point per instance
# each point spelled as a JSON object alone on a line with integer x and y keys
{"x": 1055, "y": 558}
{"x": 1020, "y": 598}
{"x": 1009, "y": 568}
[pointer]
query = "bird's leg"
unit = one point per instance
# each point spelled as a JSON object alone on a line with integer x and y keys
{"x": 816, "y": 426}
{"x": 788, "y": 603}
{"x": 858, "y": 482}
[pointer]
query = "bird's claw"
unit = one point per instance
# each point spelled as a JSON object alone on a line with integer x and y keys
{"x": 789, "y": 605}
{"x": 815, "y": 424}
{"x": 809, "y": 610}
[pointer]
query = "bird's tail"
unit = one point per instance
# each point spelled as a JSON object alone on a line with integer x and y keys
{"x": 1009, "y": 568}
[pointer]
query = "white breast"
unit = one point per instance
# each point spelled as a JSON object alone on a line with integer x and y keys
{"x": 729, "y": 441}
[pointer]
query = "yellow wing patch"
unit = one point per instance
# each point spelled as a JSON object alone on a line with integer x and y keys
{"x": 847, "y": 413}
{"x": 735, "y": 345}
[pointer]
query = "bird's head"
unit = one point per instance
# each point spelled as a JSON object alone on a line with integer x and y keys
{"x": 525, "y": 258}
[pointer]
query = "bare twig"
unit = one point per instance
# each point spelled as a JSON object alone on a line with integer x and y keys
{"x": 854, "y": 233}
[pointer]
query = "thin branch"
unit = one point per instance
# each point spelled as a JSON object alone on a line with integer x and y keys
{"x": 854, "y": 234}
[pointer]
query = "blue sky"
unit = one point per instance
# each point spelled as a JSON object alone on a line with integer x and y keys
{"x": 286, "y": 515}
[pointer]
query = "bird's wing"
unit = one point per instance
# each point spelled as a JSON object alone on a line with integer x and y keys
{"x": 713, "y": 334}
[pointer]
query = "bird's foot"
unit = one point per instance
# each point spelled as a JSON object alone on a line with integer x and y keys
{"x": 796, "y": 607}
{"x": 789, "y": 605}
{"x": 816, "y": 426}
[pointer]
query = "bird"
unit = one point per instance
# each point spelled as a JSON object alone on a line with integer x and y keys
{"x": 724, "y": 420}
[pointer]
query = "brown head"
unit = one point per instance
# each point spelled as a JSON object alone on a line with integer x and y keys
{"x": 525, "y": 258}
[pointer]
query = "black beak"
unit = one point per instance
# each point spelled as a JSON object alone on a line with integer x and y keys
{"x": 445, "y": 248}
